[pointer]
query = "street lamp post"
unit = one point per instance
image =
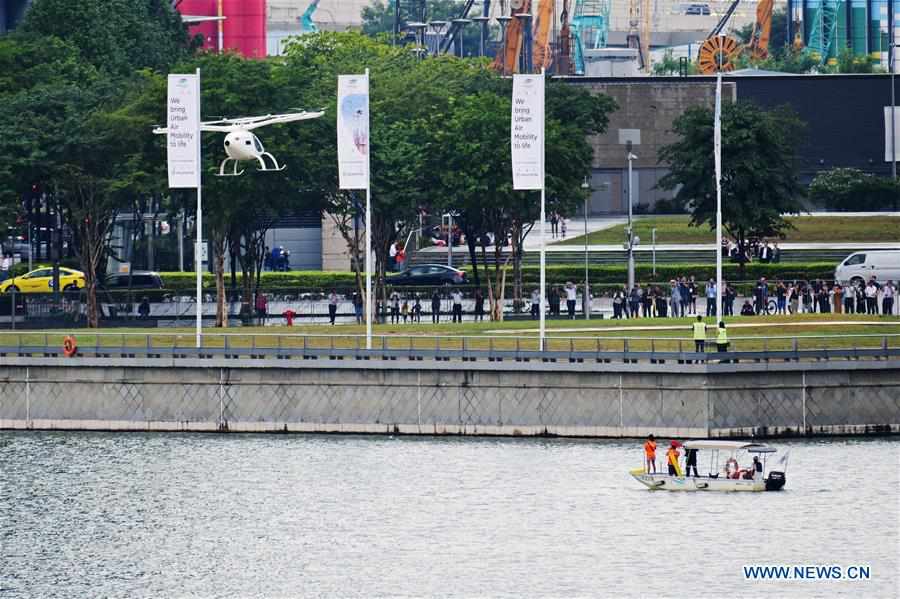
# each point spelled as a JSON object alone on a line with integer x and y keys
{"x": 631, "y": 158}
{"x": 482, "y": 28}
{"x": 460, "y": 29}
{"x": 587, "y": 287}
{"x": 893, "y": 45}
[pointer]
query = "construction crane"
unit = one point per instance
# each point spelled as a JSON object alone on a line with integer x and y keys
{"x": 590, "y": 29}
{"x": 639, "y": 30}
{"x": 543, "y": 24}
{"x": 507, "y": 60}
{"x": 762, "y": 29}
{"x": 823, "y": 38}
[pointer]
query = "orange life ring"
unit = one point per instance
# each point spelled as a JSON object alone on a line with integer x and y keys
{"x": 70, "y": 347}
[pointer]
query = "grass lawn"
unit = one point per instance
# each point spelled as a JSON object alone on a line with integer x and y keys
{"x": 809, "y": 229}
{"x": 813, "y": 331}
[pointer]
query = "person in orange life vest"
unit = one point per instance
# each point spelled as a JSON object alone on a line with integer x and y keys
{"x": 650, "y": 453}
{"x": 672, "y": 458}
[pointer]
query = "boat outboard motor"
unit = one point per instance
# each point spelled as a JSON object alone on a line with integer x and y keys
{"x": 775, "y": 481}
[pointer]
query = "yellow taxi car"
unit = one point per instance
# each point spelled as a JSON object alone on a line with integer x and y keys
{"x": 41, "y": 281}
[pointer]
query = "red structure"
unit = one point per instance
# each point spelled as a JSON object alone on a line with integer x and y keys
{"x": 243, "y": 30}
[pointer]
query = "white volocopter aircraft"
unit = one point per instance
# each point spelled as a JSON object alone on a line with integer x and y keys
{"x": 241, "y": 145}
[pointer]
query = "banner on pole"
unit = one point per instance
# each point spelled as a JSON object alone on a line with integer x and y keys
{"x": 183, "y": 136}
{"x": 353, "y": 131}
{"x": 528, "y": 131}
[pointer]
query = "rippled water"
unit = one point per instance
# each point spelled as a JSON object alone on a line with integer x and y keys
{"x": 85, "y": 514}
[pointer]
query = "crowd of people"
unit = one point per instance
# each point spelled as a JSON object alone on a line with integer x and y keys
{"x": 679, "y": 298}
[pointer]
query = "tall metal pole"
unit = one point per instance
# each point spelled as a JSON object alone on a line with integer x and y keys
{"x": 717, "y": 149}
{"x": 198, "y": 258}
{"x": 893, "y": 110}
{"x": 543, "y": 208}
{"x": 630, "y": 224}
{"x": 587, "y": 286}
{"x": 369, "y": 303}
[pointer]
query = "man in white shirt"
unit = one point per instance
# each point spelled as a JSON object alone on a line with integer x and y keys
{"x": 871, "y": 293}
{"x": 457, "y": 305}
{"x": 571, "y": 299}
{"x": 535, "y": 304}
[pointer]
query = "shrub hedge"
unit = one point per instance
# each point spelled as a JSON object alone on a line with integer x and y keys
{"x": 600, "y": 276}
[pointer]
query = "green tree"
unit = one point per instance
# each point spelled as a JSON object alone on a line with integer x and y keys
{"x": 669, "y": 66}
{"x": 759, "y": 173}
{"x": 118, "y": 36}
{"x": 850, "y": 189}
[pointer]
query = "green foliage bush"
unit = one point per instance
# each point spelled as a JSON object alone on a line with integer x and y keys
{"x": 600, "y": 276}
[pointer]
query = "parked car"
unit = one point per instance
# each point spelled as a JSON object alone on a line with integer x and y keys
{"x": 862, "y": 266}
{"x": 428, "y": 274}
{"x": 41, "y": 281}
{"x": 138, "y": 279}
{"x": 697, "y": 9}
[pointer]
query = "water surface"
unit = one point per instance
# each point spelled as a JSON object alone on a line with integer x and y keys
{"x": 90, "y": 514}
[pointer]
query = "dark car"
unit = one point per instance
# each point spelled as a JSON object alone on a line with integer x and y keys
{"x": 428, "y": 274}
{"x": 138, "y": 279}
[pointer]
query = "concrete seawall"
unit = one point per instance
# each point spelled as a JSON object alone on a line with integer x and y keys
{"x": 396, "y": 397}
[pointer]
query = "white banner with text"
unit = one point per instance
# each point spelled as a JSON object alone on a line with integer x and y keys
{"x": 183, "y": 136}
{"x": 528, "y": 132}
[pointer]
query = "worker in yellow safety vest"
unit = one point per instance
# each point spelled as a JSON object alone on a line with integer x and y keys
{"x": 699, "y": 335}
{"x": 672, "y": 459}
{"x": 721, "y": 337}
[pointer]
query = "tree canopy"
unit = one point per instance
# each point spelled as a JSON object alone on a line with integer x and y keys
{"x": 759, "y": 172}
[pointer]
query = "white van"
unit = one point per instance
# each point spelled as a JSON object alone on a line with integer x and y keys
{"x": 862, "y": 266}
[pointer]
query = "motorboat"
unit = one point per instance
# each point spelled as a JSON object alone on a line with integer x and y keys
{"x": 729, "y": 466}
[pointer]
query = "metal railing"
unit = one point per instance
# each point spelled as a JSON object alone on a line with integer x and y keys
{"x": 497, "y": 348}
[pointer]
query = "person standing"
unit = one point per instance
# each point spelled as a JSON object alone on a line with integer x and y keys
{"x": 871, "y": 293}
{"x": 634, "y": 301}
{"x": 395, "y": 308}
{"x": 730, "y": 296}
{"x": 535, "y": 304}
{"x": 690, "y": 461}
{"x": 392, "y": 257}
{"x": 861, "y": 298}
{"x": 699, "y": 335}
{"x": 417, "y": 310}
{"x": 780, "y": 298}
{"x": 721, "y": 338}
{"x": 562, "y": 227}
{"x": 571, "y": 299}
{"x": 838, "y": 293}
{"x": 262, "y": 308}
{"x": 672, "y": 459}
{"x": 650, "y": 453}
{"x": 332, "y": 306}
{"x": 457, "y": 305}
{"x": 358, "y": 307}
{"x": 435, "y": 307}
{"x": 5, "y": 266}
{"x": 554, "y": 224}
{"x": 887, "y": 298}
{"x": 617, "y": 303}
{"x": 675, "y": 298}
{"x": 479, "y": 305}
{"x": 692, "y": 295}
{"x": 711, "y": 298}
